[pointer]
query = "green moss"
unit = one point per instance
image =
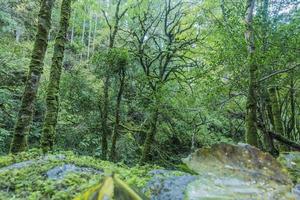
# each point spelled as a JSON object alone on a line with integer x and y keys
{"x": 30, "y": 182}
{"x": 291, "y": 161}
{"x": 23, "y": 122}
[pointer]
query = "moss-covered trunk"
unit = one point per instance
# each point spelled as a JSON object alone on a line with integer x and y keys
{"x": 251, "y": 119}
{"x": 150, "y": 137}
{"x": 265, "y": 111}
{"x": 52, "y": 99}
{"x": 291, "y": 128}
{"x": 22, "y": 126}
{"x": 278, "y": 124}
{"x": 117, "y": 116}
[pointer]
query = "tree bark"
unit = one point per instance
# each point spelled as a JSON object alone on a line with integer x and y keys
{"x": 83, "y": 36}
{"x": 112, "y": 36}
{"x": 251, "y": 119}
{"x": 105, "y": 130}
{"x": 73, "y": 28}
{"x": 117, "y": 116}
{"x": 150, "y": 137}
{"x": 278, "y": 125}
{"x": 292, "y": 122}
{"x": 22, "y": 127}
{"x": 52, "y": 98}
{"x": 90, "y": 35}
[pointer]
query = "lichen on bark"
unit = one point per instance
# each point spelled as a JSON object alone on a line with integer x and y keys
{"x": 251, "y": 119}
{"x": 22, "y": 126}
{"x": 52, "y": 98}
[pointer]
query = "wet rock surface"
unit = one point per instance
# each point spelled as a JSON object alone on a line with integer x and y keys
{"x": 291, "y": 160}
{"x": 168, "y": 185}
{"x": 237, "y": 172}
{"x": 296, "y": 191}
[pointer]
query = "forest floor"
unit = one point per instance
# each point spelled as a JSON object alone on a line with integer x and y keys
{"x": 223, "y": 171}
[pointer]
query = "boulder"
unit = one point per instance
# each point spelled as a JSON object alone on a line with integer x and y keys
{"x": 291, "y": 160}
{"x": 168, "y": 185}
{"x": 237, "y": 172}
{"x": 60, "y": 172}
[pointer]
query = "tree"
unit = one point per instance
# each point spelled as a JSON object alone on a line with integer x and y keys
{"x": 162, "y": 37}
{"x": 52, "y": 99}
{"x": 251, "y": 120}
{"x": 22, "y": 126}
{"x": 113, "y": 30}
{"x": 121, "y": 61}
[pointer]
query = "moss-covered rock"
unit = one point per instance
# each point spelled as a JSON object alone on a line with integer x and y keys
{"x": 221, "y": 172}
{"x": 291, "y": 160}
{"x": 30, "y": 175}
{"x": 237, "y": 172}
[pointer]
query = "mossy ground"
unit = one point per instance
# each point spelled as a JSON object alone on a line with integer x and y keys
{"x": 31, "y": 182}
{"x": 291, "y": 160}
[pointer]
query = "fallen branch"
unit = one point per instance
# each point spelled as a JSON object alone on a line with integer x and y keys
{"x": 274, "y": 135}
{"x": 280, "y": 138}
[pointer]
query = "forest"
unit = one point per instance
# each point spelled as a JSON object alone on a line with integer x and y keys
{"x": 149, "y": 99}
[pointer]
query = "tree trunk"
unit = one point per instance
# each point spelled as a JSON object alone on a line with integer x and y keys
{"x": 83, "y": 37}
{"x": 278, "y": 126}
{"x": 95, "y": 33}
{"x": 112, "y": 36}
{"x": 90, "y": 35}
{"x": 268, "y": 143}
{"x": 22, "y": 127}
{"x": 146, "y": 154}
{"x": 52, "y": 99}
{"x": 117, "y": 117}
{"x": 105, "y": 130}
{"x": 73, "y": 28}
{"x": 291, "y": 129}
{"x": 251, "y": 119}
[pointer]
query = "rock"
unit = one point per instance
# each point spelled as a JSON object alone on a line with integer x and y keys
{"x": 291, "y": 160}
{"x": 28, "y": 163}
{"x": 59, "y": 172}
{"x": 237, "y": 172}
{"x": 17, "y": 165}
{"x": 296, "y": 191}
{"x": 62, "y": 177}
{"x": 168, "y": 185}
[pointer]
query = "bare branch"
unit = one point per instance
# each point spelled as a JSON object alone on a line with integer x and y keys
{"x": 278, "y": 72}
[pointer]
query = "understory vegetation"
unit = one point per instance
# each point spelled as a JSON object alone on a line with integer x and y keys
{"x": 29, "y": 180}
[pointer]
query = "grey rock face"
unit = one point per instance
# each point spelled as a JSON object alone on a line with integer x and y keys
{"x": 31, "y": 162}
{"x": 237, "y": 172}
{"x": 60, "y": 171}
{"x": 166, "y": 185}
{"x": 296, "y": 191}
{"x": 17, "y": 165}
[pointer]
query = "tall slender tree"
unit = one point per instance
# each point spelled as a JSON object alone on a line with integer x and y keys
{"x": 121, "y": 75}
{"x": 22, "y": 126}
{"x": 113, "y": 30}
{"x": 52, "y": 99}
{"x": 251, "y": 121}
